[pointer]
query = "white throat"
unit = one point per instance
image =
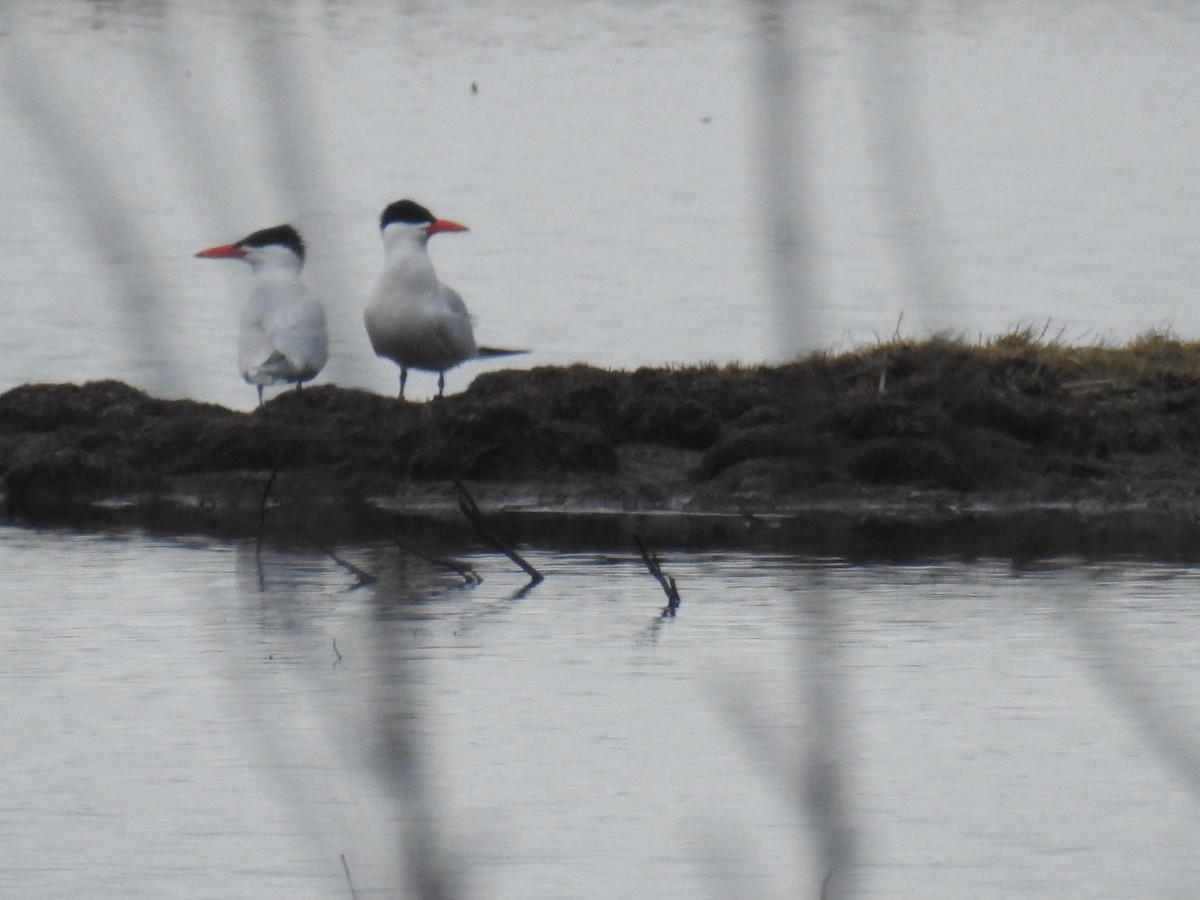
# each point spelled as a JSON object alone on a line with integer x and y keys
{"x": 408, "y": 273}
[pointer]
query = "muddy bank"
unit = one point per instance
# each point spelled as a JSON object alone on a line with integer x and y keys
{"x": 905, "y": 450}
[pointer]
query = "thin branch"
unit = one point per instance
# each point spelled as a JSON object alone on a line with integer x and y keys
{"x": 470, "y": 509}
{"x": 468, "y": 574}
{"x": 377, "y": 520}
{"x": 654, "y": 565}
{"x": 362, "y": 578}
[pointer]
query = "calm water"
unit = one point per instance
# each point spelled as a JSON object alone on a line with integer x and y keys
{"x": 973, "y": 166}
{"x": 187, "y": 719}
{"x": 179, "y": 722}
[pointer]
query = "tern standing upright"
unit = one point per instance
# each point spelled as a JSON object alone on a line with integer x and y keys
{"x": 412, "y": 318}
{"x": 282, "y": 337}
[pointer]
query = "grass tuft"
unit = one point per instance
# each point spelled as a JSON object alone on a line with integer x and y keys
{"x": 1153, "y": 355}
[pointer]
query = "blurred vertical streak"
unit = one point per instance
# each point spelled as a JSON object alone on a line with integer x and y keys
{"x": 103, "y": 214}
{"x": 422, "y": 858}
{"x": 196, "y": 136}
{"x": 293, "y": 135}
{"x": 1131, "y": 686}
{"x": 784, "y": 160}
{"x": 824, "y": 781}
{"x": 905, "y": 185}
{"x": 290, "y": 120}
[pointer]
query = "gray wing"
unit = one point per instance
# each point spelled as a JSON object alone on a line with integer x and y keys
{"x": 454, "y": 326}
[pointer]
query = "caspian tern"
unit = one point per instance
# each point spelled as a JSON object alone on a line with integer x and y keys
{"x": 412, "y": 318}
{"x": 282, "y": 337}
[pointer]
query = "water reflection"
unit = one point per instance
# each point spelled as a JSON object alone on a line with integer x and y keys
{"x": 242, "y": 722}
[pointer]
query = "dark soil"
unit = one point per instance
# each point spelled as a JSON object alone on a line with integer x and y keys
{"x": 910, "y": 450}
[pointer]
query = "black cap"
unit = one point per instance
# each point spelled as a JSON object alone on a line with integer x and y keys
{"x": 284, "y": 235}
{"x": 407, "y": 211}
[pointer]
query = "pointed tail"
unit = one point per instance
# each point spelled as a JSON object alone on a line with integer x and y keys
{"x": 485, "y": 352}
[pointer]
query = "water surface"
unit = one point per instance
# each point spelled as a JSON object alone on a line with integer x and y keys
{"x": 970, "y": 167}
{"x": 191, "y": 718}
{"x": 187, "y": 719}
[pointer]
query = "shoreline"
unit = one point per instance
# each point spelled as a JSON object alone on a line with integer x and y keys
{"x": 906, "y": 450}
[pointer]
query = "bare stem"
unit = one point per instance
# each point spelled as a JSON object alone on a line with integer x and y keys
{"x": 471, "y": 510}
{"x": 654, "y": 565}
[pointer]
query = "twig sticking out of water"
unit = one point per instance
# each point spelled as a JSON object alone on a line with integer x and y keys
{"x": 361, "y": 578}
{"x": 469, "y": 575}
{"x": 262, "y": 527}
{"x": 349, "y": 880}
{"x": 650, "y": 558}
{"x": 471, "y": 510}
{"x": 262, "y": 510}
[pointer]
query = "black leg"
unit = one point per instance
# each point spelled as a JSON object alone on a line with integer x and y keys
{"x": 441, "y": 383}
{"x": 259, "y": 394}
{"x": 403, "y": 378}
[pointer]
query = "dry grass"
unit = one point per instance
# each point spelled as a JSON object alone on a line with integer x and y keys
{"x": 1154, "y": 354}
